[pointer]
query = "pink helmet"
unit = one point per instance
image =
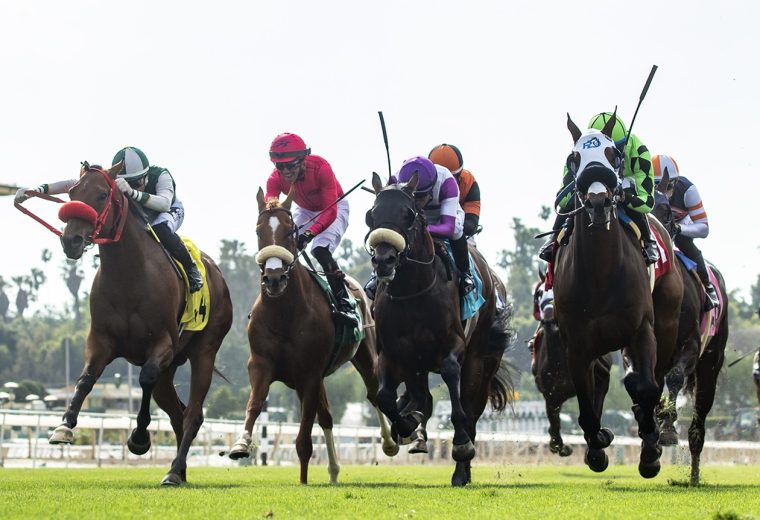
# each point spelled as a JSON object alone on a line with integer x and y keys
{"x": 287, "y": 147}
{"x": 426, "y": 172}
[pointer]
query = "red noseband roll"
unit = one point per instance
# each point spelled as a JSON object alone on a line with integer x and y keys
{"x": 77, "y": 209}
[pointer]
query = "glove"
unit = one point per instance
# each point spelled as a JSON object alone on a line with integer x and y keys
{"x": 304, "y": 239}
{"x": 124, "y": 186}
{"x": 676, "y": 229}
{"x": 24, "y": 193}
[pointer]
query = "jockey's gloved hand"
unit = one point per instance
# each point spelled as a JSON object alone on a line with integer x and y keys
{"x": 676, "y": 229}
{"x": 304, "y": 238}
{"x": 23, "y": 193}
{"x": 124, "y": 186}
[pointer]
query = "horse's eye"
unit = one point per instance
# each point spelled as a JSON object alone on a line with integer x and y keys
{"x": 103, "y": 196}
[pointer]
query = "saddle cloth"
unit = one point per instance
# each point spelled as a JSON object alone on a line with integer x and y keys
{"x": 472, "y": 302}
{"x": 708, "y": 325}
{"x": 197, "y": 304}
{"x": 664, "y": 263}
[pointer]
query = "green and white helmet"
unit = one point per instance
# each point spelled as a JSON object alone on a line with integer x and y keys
{"x": 135, "y": 163}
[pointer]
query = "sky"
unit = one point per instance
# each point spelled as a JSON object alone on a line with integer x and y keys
{"x": 202, "y": 88}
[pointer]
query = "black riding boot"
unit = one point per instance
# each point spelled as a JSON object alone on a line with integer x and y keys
{"x": 650, "y": 252}
{"x": 335, "y": 278}
{"x": 462, "y": 261}
{"x": 177, "y": 248}
{"x": 687, "y": 247}
{"x": 546, "y": 252}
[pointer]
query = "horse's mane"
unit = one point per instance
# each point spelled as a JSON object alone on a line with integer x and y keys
{"x": 273, "y": 203}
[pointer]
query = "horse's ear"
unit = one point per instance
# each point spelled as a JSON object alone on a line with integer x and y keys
{"x": 260, "y": 200}
{"x": 377, "y": 183}
{"x": 289, "y": 199}
{"x": 610, "y": 124}
{"x": 574, "y": 130}
{"x": 422, "y": 201}
{"x": 411, "y": 186}
{"x": 114, "y": 170}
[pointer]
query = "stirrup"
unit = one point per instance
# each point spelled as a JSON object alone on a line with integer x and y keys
{"x": 651, "y": 255}
{"x": 466, "y": 284}
{"x": 711, "y": 298}
{"x": 546, "y": 253}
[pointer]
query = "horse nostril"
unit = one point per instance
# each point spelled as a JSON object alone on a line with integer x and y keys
{"x": 283, "y": 278}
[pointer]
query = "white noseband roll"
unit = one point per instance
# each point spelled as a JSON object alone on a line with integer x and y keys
{"x": 388, "y": 236}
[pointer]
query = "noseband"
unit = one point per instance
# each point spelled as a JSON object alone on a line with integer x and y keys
{"x": 275, "y": 251}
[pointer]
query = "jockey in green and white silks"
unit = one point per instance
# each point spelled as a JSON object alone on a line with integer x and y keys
{"x": 153, "y": 188}
{"x": 637, "y": 184}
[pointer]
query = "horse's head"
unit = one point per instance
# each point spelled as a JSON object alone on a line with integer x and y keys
{"x": 96, "y": 205}
{"x": 595, "y": 162}
{"x": 392, "y": 222}
{"x": 276, "y": 233}
{"x": 543, "y": 301}
{"x": 662, "y": 210}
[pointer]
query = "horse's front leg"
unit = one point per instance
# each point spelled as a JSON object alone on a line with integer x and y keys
{"x": 260, "y": 376}
{"x": 556, "y": 445}
{"x": 597, "y": 438}
{"x": 308, "y": 393}
{"x": 325, "y": 420}
{"x": 401, "y": 427}
{"x": 99, "y": 352}
{"x": 462, "y": 449}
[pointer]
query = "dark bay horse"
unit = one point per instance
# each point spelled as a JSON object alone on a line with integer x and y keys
{"x": 550, "y": 370}
{"x": 419, "y": 329}
{"x": 291, "y": 339}
{"x": 700, "y": 356}
{"x": 136, "y": 301}
{"x": 603, "y": 301}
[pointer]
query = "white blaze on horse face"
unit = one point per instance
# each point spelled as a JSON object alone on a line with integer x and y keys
{"x": 591, "y": 147}
{"x": 273, "y": 263}
{"x": 274, "y": 223}
{"x": 597, "y": 187}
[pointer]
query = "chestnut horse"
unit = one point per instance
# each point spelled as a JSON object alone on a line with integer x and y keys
{"x": 603, "y": 301}
{"x": 136, "y": 301}
{"x": 700, "y": 357}
{"x": 550, "y": 370}
{"x": 291, "y": 337}
{"x": 419, "y": 329}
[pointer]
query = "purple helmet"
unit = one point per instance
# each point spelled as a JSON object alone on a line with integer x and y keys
{"x": 425, "y": 169}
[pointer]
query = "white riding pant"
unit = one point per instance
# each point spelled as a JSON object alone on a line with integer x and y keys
{"x": 173, "y": 218}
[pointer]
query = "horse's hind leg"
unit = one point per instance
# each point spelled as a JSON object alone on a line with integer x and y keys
{"x": 556, "y": 444}
{"x": 463, "y": 448}
{"x": 260, "y": 376}
{"x": 308, "y": 393}
{"x": 98, "y": 354}
{"x": 324, "y": 417}
{"x": 401, "y": 427}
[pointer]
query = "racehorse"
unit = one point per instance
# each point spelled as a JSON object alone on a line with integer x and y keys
{"x": 417, "y": 311}
{"x": 291, "y": 338}
{"x": 550, "y": 370}
{"x": 136, "y": 301}
{"x": 603, "y": 301}
{"x": 700, "y": 357}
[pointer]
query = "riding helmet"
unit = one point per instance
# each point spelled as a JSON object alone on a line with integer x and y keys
{"x": 618, "y": 131}
{"x": 287, "y": 147}
{"x": 448, "y": 156}
{"x": 425, "y": 169}
{"x": 661, "y": 163}
{"x": 135, "y": 163}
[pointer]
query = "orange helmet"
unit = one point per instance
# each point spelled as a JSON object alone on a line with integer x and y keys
{"x": 448, "y": 156}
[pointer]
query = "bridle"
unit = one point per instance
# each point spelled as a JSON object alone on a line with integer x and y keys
{"x": 292, "y": 231}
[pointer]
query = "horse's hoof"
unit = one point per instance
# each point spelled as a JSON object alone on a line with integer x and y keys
{"x": 418, "y": 446}
{"x": 138, "y": 447}
{"x": 668, "y": 437}
{"x": 62, "y": 435}
{"x": 596, "y": 460}
{"x": 171, "y": 479}
{"x": 458, "y": 480}
{"x": 565, "y": 451}
{"x": 606, "y": 437}
{"x": 391, "y": 450}
{"x": 463, "y": 452}
{"x": 461, "y": 476}
{"x": 554, "y": 448}
{"x": 649, "y": 469}
{"x": 242, "y": 447}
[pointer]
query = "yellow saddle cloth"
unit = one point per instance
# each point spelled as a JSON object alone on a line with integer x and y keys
{"x": 197, "y": 304}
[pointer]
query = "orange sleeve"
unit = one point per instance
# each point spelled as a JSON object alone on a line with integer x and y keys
{"x": 470, "y": 203}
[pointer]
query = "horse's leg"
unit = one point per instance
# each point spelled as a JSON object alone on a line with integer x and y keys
{"x": 463, "y": 448}
{"x": 139, "y": 440}
{"x": 97, "y": 355}
{"x": 401, "y": 427}
{"x": 165, "y": 395}
{"x": 641, "y": 382}
{"x": 308, "y": 393}
{"x": 556, "y": 444}
{"x": 708, "y": 368}
{"x": 597, "y": 438}
{"x": 325, "y": 420}
{"x": 366, "y": 364}
{"x": 417, "y": 403}
{"x": 260, "y": 376}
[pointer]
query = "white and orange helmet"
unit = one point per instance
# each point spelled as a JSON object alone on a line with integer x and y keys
{"x": 661, "y": 163}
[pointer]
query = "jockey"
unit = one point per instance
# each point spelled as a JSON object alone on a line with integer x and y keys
{"x": 316, "y": 190}
{"x": 153, "y": 188}
{"x": 449, "y": 156}
{"x": 690, "y": 218}
{"x": 637, "y": 183}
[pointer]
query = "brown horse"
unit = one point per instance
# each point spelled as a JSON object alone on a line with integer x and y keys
{"x": 419, "y": 328}
{"x": 550, "y": 370}
{"x": 136, "y": 302}
{"x": 700, "y": 357}
{"x": 291, "y": 339}
{"x": 603, "y": 301}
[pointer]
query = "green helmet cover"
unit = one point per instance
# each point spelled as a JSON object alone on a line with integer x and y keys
{"x": 618, "y": 131}
{"x": 135, "y": 163}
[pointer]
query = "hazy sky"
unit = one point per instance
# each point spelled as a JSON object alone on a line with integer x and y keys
{"x": 203, "y": 88}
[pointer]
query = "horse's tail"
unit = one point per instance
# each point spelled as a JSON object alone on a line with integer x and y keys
{"x": 500, "y": 337}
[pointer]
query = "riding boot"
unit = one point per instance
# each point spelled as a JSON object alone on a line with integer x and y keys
{"x": 650, "y": 252}
{"x": 462, "y": 261}
{"x": 711, "y": 301}
{"x": 344, "y": 313}
{"x": 177, "y": 249}
{"x": 370, "y": 288}
{"x": 546, "y": 252}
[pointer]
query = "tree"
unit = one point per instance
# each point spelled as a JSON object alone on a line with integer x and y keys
{"x": 4, "y": 300}
{"x": 73, "y": 274}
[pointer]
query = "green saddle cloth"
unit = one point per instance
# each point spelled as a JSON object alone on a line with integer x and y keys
{"x": 347, "y": 338}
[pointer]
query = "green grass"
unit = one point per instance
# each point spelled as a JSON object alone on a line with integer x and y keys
{"x": 506, "y": 491}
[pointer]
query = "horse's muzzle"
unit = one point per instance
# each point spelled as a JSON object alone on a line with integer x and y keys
{"x": 599, "y": 208}
{"x": 384, "y": 261}
{"x": 73, "y": 246}
{"x": 274, "y": 282}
